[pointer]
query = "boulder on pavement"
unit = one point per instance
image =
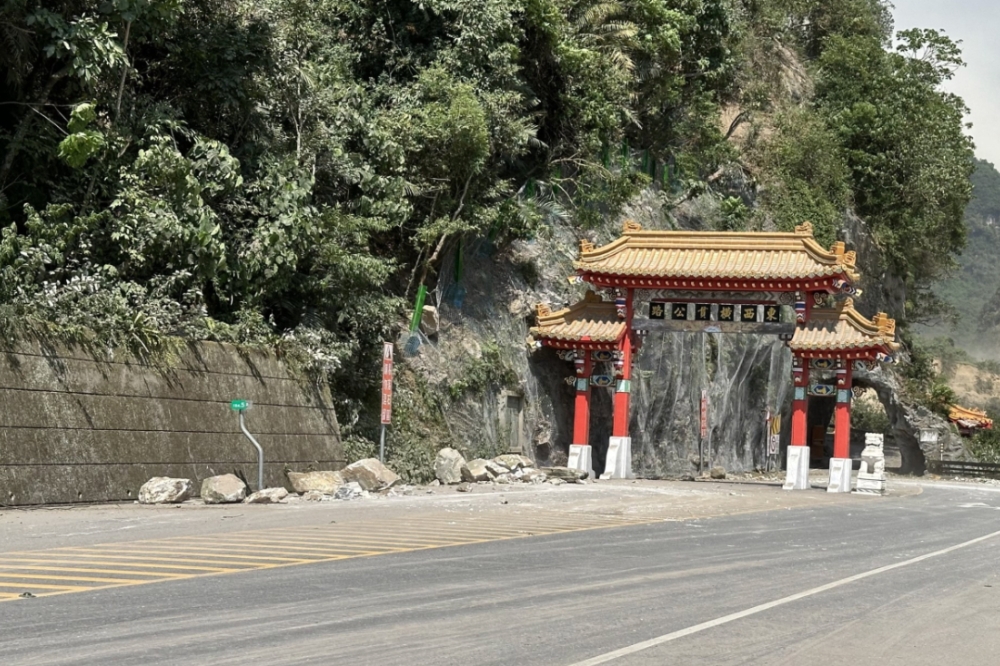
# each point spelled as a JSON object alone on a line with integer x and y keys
{"x": 476, "y": 470}
{"x": 514, "y": 461}
{"x": 323, "y": 482}
{"x": 717, "y": 472}
{"x": 495, "y": 468}
{"x": 565, "y": 473}
{"x": 370, "y": 474}
{"x": 165, "y": 490}
{"x": 267, "y": 496}
{"x": 349, "y": 491}
{"x": 223, "y": 489}
{"x": 531, "y": 475}
{"x": 314, "y": 496}
{"x": 464, "y": 488}
{"x": 448, "y": 466}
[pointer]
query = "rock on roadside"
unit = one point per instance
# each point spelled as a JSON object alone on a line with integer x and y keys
{"x": 565, "y": 473}
{"x": 223, "y": 489}
{"x": 370, "y": 474}
{"x": 717, "y": 472}
{"x": 448, "y": 466}
{"x": 323, "y": 482}
{"x": 165, "y": 490}
{"x": 267, "y": 496}
{"x": 513, "y": 461}
{"x": 477, "y": 470}
{"x": 349, "y": 491}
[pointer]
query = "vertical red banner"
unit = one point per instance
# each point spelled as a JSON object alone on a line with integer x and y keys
{"x": 704, "y": 413}
{"x": 387, "y": 383}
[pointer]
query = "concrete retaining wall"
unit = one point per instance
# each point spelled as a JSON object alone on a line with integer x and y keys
{"x": 74, "y": 428}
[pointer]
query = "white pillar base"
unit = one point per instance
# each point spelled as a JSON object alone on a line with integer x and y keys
{"x": 797, "y": 473}
{"x": 580, "y": 458}
{"x": 618, "y": 464}
{"x": 870, "y": 484}
{"x": 840, "y": 475}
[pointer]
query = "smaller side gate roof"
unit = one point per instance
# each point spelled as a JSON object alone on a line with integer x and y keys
{"x": 843, "y": 331}
{"x": 591, "y": 323}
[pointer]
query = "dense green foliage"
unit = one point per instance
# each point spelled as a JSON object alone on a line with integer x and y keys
{"x": 288, "y": 172}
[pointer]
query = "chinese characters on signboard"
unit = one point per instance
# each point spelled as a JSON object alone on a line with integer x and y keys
{"x": 742, "y": 312}
{"x": 387, "y": 383}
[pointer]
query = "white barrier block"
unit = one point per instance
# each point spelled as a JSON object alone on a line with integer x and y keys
{"x": 580, "y": 458}
{"x": 797, "y": 472}
{"x": 618, "y": 464}
{"x": 840, "y": 475}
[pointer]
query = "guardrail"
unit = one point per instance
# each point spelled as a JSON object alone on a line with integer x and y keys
{"x": 956, "y": 468}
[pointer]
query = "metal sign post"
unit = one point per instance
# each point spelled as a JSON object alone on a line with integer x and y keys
{"x": 386, "y": 396}
{"x": 240, "y": 406}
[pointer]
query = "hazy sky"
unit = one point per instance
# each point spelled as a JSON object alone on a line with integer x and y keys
{"x": 977, "y": 24}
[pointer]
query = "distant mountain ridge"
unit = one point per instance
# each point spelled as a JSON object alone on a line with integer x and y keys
{"x": 973, "y": 290}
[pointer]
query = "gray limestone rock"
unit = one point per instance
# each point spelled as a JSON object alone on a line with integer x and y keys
{"x": 531, "y": 475}
{"x": 349, "y": 491}
{"x": 223, "y": 489}
{"x": 565, "y": 473}
{"x": 325, "y": 482}
{"x": 370, "y": 474}
{"x": 448, "y": 466}
{"x": 477, "y": 470}
{"x": 556, "y": 481}
{"x": 514, "y": 461}
{"x": 267, "y": 496}
{"x": 464, "y": 488}
{"x": 717, "y": 472}
{"x": 165, "y": 490}
{"x": 313, "y": 496}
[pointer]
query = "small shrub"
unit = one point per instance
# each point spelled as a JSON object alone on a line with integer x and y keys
{"x": 985, "y": 446}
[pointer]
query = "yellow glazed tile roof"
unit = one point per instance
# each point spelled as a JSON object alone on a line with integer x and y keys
{"x": 842, "y": 328}
{"x": 957, "y": 413}
{"x": 722, "y": 255}
{"x": 590, "y": 320}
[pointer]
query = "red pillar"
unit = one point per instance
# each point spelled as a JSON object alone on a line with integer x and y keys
{"x": 842, "y": 415}
{"x": 581, "y": 408}
{"x": 800, "y": 401}
{"x": 623, "y": 392}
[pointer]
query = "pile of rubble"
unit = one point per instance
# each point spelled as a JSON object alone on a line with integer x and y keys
{"x": 354, "y": 481}
{"x": 450, "y": 467}
{"x": 359, "y": 480}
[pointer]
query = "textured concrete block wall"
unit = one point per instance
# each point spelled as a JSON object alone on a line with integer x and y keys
{"x": 74, "y": 428}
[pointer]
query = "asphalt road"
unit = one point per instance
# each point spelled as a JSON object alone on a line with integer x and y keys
{"x": 906, "y": 580}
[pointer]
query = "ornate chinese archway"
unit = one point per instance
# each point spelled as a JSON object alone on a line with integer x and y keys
{"x": 686, "y": 281}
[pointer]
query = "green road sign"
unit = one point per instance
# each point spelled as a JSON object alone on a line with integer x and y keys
{"x": 240, "y": 405}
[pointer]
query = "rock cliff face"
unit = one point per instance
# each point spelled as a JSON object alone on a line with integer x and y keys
{"x": 505, "y": 396}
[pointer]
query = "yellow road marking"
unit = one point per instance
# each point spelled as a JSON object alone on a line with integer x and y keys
{"x": 23, "y": 567}
{"x": 86, "y": 579}
{"x": 42, "y": 560}
{"x": 298, "y": 549}
{"x": 144, "y": 561}
{"x": 153, "y": 549}
{"x": 333, "y": 541}
{"x": 33, "y": 586}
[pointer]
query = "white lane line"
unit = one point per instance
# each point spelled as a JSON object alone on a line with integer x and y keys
{"x": 725, "y": 619}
